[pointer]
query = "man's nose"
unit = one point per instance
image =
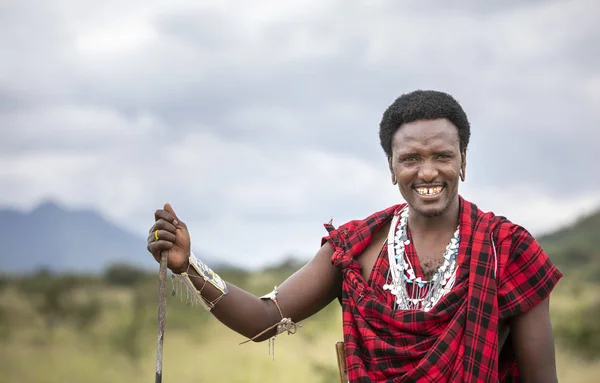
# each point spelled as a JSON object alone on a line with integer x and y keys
{"x": 428, "y": 172}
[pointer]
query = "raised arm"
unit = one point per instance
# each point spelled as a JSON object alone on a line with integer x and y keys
{"x": 303, "y": 294}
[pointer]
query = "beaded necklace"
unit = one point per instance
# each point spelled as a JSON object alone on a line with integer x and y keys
{"x": 424, "y": 294}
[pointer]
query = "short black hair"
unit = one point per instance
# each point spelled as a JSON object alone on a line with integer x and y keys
{"x": 423, "y": 105}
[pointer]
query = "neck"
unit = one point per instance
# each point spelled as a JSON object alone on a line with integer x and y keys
{"x": 448, "y": 220}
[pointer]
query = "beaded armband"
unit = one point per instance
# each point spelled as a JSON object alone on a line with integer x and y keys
{"x": 285, "y": 324}
{"x": 193, "y": 295}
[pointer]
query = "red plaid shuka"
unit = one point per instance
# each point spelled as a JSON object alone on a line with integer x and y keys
{"x": 457, "y": 340}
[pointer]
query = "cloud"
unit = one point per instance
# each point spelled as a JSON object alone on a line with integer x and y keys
{"x": 259, "y": 121}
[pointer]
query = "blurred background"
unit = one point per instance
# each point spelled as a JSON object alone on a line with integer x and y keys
{"x": 258, "y": 121}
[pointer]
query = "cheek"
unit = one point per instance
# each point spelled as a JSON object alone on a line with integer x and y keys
{"x": 402, "y": 173}
{"x": 451, "y": 170}
{"x": 453, "y": 178}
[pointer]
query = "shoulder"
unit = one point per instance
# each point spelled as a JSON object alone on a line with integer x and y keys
{"x": 526, "y": 274}
{"x": 356, "y": 226}
{"x": 504, "y": 230}
{"x": 511, "y": 241}
{"x": 519, "y": 254}
{"x": 508, "y": 232}
{"x": 386, "y": 212}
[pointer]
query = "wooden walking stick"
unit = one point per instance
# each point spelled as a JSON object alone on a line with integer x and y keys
{"x": 162, "y": 311}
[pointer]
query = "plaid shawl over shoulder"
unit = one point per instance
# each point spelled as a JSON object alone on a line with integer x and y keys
{"x": 457, "y": 341}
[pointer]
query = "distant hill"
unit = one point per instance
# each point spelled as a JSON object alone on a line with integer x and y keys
{"x": 576, "y": 247}
{"x": 60, "y": 239}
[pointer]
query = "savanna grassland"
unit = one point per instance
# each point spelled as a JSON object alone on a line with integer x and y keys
{"x": 81, "y": 328}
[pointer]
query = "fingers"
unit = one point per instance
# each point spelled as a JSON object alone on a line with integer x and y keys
{"x": 164, "y": 215}
{"x": 161, "y": 224}
{"x": 168, "y": 214}
{"x": 157, "y": 247}
{"x": 161, "y": 235}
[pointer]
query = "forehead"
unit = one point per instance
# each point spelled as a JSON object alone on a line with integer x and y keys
{"x": 426, "y": 134}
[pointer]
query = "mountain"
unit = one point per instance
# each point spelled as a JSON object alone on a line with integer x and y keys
{"x": 58, "y": 239}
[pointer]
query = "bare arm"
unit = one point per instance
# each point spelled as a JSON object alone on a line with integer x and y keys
{"x": 303, "y": 294}
{"x": 534, "y": 344}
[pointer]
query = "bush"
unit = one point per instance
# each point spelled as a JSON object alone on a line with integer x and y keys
{"x": 5, "y": 325}
{"x": 582, "y": 332}
{"x": 84, "y": 315}
{"x": 128, "y": 338}
{"x": 124, "y": 275}
{"x": 55, "y": 299}
{"x": 4, "y": 282}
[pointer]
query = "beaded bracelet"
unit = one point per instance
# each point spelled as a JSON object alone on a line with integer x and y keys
{"x": 208, "y": 275}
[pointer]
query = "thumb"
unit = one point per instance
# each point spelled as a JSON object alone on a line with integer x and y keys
{"x": 168, "y": 208}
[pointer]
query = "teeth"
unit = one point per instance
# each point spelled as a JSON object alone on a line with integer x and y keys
{"x": 429, "y": 191}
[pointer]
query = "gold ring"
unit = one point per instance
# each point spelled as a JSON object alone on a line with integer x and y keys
{"x": 156, "y": 235}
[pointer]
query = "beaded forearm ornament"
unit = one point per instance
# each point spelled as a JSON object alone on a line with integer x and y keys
{"x": 285, "y": 324}
{"x": 193, "y": 295}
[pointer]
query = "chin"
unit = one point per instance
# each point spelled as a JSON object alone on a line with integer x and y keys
{"x": 431, "y": 212}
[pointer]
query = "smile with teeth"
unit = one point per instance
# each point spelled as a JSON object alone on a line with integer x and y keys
{"x": 429, "y": 191}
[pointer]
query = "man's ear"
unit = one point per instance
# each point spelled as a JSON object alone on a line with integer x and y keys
{"x": 394, "y": 180}
{"x": 463, "y": 165}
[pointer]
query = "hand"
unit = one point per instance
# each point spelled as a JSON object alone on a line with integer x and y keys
{"x": 173, "y": 236}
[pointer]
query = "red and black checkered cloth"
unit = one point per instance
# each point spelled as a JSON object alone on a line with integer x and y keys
{"x": 457, "y": 340}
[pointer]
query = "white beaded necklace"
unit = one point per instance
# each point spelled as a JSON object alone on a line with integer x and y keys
{"x": 424, "y": 294}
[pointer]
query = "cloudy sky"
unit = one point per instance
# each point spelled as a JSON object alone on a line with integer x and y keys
{"x": 258, "y": 120}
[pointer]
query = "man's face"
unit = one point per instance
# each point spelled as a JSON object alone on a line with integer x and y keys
{"x": 426, "y": 161}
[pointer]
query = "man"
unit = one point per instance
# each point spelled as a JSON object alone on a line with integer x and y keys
{"x": 433, "y": 290}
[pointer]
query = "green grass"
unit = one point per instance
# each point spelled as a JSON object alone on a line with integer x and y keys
{"x": 120, "y": 344}
{"x": 205, "y": 351}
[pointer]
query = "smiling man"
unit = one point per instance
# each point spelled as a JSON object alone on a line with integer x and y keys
{"x": 432, "y": 290}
